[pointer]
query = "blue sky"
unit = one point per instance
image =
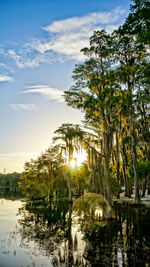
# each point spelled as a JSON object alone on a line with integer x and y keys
{"x": 40, "y": 43}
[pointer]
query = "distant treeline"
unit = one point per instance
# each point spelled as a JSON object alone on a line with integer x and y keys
{"x": 9, "y": 184}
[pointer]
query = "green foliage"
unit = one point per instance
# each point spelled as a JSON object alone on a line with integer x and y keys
{"x": 143, "y": 169}
{"x": 113, "y": 179}
{"x": 138, "y": 21}
{"x": 38, "y": 179}
{"x": 80, "y": 179}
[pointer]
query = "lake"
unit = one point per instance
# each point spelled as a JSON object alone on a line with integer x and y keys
{"x": 61, "y": 234}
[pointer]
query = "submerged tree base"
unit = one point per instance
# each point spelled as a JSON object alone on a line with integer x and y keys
{"x": 93, "y": 205}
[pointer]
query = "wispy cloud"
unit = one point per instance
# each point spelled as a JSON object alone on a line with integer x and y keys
{"x": 96, "y": 18}
{"x": 46, "y": 91}
{"x": 68, "y": 36}
{"x": 5, "y": 78}
{"x": 27, "y": 57}
{"x": 3, "y": 66}
{"x": 25, "y": 107}
{"x": 64, "y": 40}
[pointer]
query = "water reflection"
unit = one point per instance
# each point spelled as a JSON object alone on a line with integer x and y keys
{"x": 15, "y": 251}
{"x": 55, "y": 230}
{"x": 85, "y": 241}
{"x": 64, "y": 234}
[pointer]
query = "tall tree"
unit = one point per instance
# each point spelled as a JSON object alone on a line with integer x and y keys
{"x": 96, "y": 93}
{"x": 68, "y": 134}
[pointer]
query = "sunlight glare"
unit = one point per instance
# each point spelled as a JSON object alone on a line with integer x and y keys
{"x": 73, "y": 163}
{"x": 81, "y": 157}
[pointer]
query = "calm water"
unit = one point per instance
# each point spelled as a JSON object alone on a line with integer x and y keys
{"x": 60, "y": 234}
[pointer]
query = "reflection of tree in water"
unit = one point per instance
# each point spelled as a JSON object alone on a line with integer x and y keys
{"x": 136, "y": 233}
{"x": 91, "y": 206}
{"x": 42, "y": 222}
{"x": 99, "y": 239}
{"x": 121, "y": 242}
{"x": 51, "y": 227}
{"x": 125, "y": 242}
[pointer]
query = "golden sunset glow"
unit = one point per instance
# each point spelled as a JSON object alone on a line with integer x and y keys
{"x": 81, "y": 157}
{"x": 73, "y": 163}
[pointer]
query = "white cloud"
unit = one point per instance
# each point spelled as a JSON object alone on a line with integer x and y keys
{"x": 65, "y": 46}
{"x": 25, "y": 107}
{"x": 26, "y": 57}
{"x": 46, "y": 91}
{"x": 84, "y": 21}
{"x": 68, "y": 36}
{"x": 64, "y": 40}
{"x": 5, "y": 78}
{"x": 4, "y": 66}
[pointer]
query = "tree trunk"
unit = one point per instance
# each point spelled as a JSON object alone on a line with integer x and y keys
{"x": 135, "y": 167}
{"x": 148, "y": 189}
{"x": 100, "y": 176}
{"x": 144, "y": 188}
{"x": 118, "y": 163}
{"x": 133, "y": 136}
{"x": 70, "y": 175}
{"x": 69, "y": 188}
{"x": 125, "y": 165}
{"x": 106, "y": 168}
{"x": 127, "y": 184}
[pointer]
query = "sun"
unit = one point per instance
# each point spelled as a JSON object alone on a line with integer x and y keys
{"x": 73, "y": 163}
{"x": 81, "y": 157}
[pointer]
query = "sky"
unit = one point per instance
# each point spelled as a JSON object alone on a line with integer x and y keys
{"x": 40, "y": 42}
